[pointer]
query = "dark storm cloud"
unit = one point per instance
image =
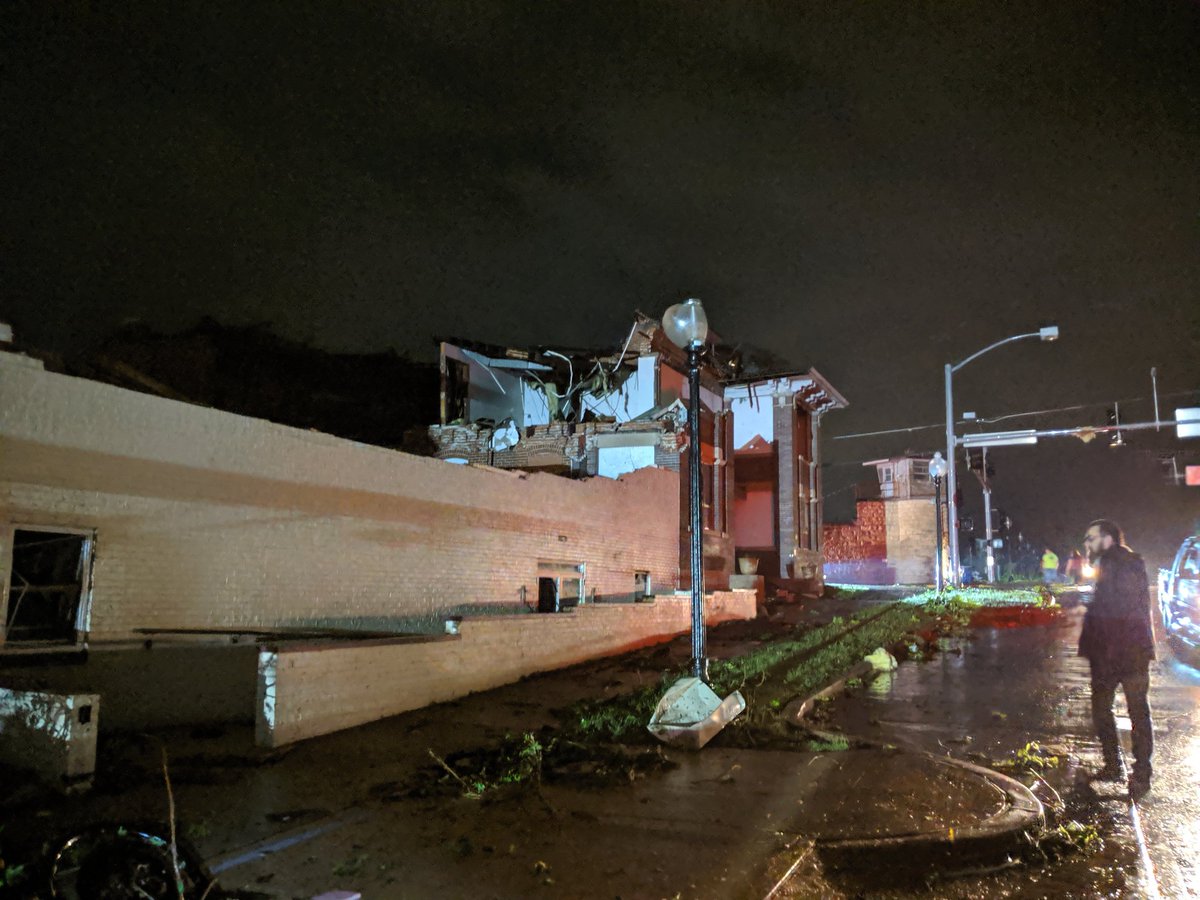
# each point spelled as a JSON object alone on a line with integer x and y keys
{"x": 873, "y": 189}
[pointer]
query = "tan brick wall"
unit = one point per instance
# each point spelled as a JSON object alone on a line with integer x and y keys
{"x": 208, "y": 519}
{"x": 308, "y": 692}
{"x": 911, "y": 539}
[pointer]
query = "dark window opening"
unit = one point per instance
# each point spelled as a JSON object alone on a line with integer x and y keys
{"x": 547, "y": 595}
{"x": 641, "y": 585}
{"x": 48, "y": 581}
{"x": 560, "y": 586}
{"x": 456, "y": 391}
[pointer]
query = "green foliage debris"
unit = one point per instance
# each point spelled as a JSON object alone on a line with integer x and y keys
{"x": 1030, "y": 758}
{"x": 1080, "y": 836}
{"x": 350, "y": 866}
{"x": 832, "y": 745}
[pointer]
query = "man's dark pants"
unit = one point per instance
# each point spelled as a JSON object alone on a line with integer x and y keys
{"x": 1136, "y": 684}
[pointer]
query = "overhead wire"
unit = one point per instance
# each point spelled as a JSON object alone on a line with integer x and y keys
{"x": 993, "y": 419}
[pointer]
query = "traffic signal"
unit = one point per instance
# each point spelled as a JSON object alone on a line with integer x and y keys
{"x": 975, "y": 459}
{"x": 1114, "y": 421}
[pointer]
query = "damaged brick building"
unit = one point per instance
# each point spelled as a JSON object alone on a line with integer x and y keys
{"x": 585, "y": 413}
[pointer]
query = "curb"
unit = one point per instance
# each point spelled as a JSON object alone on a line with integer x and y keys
{"x": 993, "y": 840}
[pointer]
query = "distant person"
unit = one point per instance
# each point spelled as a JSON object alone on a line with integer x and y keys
{"x": 1049, "y": 566}
{"x": 1074, "y": 568}
{"x": 1118, "y": 641}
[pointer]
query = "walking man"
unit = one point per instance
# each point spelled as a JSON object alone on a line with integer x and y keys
{"x": 1049, "y": 566}
{"x": 1118, "y": 641}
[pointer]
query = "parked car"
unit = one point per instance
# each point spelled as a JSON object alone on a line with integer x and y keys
{"x": 1179, "y": 594}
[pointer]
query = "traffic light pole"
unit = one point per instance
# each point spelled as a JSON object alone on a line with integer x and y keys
{"x": 987, "y": 521}
{"x": 1049, "y": 333}
{"x": 951, "y": 480}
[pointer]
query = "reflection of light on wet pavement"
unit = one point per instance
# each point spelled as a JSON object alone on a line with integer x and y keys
{"x": 1187, "y": 825}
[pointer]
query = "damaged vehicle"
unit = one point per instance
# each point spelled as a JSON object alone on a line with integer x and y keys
{"x": 1179, "y": 596}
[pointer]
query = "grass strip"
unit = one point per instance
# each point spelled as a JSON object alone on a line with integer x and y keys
{"x": 812, "y": 659}
{"x": 826, "y": 664}
{"x": 616, "y": 717}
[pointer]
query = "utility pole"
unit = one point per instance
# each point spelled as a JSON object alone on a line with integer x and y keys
{"x": 951, "y": 481}
{"x": 987, "y": 519}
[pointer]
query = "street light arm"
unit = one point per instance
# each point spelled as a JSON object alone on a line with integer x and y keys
{"x": 990, "y": 347}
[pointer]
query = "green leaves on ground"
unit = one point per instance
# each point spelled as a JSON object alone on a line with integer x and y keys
{"x": 1033, "y": 757}
{"x": 833, "y": 745}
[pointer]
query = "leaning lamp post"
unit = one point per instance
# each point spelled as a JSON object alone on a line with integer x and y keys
{"x": 937, "y": 468}
{"x": 1049, "y": 333}
{"x": 687, "y": 327}
{"x": 690, "y": 714}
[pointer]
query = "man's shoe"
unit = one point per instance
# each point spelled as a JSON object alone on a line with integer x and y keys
{"x": 1139, "y": 785}
{"x": 1110, "y": 772}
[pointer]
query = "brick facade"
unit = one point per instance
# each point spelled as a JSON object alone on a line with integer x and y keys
{"x": 206, "y": 519}
{"x": 857, "y": 552}
{"x": 890, "y": 541}
{"x": 912, "y": 539}
{"x": 864, "y": 538}
{"x": 307, "y": 691}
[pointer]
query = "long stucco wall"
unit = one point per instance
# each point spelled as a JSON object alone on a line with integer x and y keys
{"x": 308, "y": 691}
{"x": 205, "y": 519}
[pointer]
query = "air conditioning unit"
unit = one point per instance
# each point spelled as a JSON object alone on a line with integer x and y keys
{"x": 54, "y": 735}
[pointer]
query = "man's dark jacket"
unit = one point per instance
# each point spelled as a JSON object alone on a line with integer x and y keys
{"x": 1118, "y": 635}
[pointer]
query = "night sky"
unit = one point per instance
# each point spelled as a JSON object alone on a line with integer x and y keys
{"x": 873, "y": 189}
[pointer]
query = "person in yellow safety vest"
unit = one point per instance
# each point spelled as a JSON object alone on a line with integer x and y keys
{"x": 1049, "y": 566}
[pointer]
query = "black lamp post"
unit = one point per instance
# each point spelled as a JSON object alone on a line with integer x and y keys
{"x": 937, "y": 468}
{"x": 687, "y": 327}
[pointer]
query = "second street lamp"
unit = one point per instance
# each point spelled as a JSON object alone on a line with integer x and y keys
{"x": 937, "y": 468}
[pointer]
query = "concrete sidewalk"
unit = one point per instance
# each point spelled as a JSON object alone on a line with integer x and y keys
{"x": 349, "y": 811}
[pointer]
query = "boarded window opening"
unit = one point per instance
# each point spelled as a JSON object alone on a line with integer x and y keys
{"x": 49, "y": 580}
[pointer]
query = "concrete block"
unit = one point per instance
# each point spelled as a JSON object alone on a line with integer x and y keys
{"x": 52, "y": 734}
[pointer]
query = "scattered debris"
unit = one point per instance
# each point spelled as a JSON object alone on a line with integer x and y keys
{"x": 690, "y": 714}
{"x": 833, "y": 745}
{"x": 881, "y": 660}
{"x": 350, "y": 866}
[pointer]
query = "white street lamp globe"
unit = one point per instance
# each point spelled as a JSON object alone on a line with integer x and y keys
{"x": 937, "y": 465}
{"x": 1049, "y": 333}
{"x": 686, "y": 324}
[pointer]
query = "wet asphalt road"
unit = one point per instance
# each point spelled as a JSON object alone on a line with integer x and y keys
{"x": 987, "y": 697}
